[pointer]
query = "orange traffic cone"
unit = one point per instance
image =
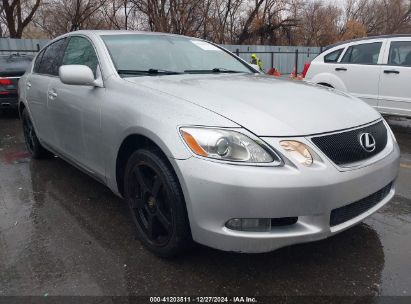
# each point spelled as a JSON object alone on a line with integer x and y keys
{"x": 274, "y": 72}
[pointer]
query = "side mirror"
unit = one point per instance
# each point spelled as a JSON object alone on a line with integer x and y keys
{"x": 75, "y": 74}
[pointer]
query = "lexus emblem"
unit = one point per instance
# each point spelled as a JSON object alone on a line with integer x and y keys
{"x": 367, "y": 141}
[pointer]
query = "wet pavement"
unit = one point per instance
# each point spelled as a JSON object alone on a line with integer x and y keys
{"x": 62, "y": 233}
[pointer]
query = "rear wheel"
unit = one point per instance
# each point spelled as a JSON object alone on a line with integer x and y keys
{"x": 156, "y": 204}
{"x": 33, "y": 145}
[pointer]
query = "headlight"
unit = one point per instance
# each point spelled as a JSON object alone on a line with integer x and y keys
{"x": 226, "y": 145}
{"x": 298, "y": 151}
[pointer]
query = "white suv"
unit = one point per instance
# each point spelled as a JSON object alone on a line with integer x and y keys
{"x": 375, "y": 69}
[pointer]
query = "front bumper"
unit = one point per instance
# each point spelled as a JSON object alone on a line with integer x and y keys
{"x": 217, "y": 192}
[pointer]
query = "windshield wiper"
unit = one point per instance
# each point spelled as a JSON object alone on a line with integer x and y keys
{"x": 148, "y": 72}
{"x": 215, "y": 70}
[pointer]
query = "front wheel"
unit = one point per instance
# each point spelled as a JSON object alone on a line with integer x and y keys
{"x": 156, "y": 204}
{"x": 33, "y": 145}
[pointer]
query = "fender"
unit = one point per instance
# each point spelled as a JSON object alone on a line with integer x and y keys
{"x": 331, "y": 79}
{"x": 173, "y": 149}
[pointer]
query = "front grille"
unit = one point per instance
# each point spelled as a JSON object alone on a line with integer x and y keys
{"x": 348, "y": 212}
{"x": 345, "y": 147}
{"x": 283, "y": 221}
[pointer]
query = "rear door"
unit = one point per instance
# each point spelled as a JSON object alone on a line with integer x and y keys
{"x": 395, "y": 90}
{"x": 37, "y": 90}
{"x": 36, "y": 96}
{"x": 359, "y": 69}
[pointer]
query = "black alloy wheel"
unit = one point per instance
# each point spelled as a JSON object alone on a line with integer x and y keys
{"x": 156, "y": 203}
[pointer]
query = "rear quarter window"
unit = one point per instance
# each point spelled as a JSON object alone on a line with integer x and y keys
{"x": 333, "y": 56}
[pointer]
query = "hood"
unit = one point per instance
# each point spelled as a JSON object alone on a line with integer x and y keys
{"x": 265, "y": 105}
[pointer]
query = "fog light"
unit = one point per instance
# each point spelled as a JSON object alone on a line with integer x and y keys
{"x": 256, "y": 225}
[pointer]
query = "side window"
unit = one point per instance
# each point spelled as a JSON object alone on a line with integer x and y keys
{"x": 52, "y": 56}
{"x": 400, "y": 53}
{"x": 333, "y": 56}
{"x": 38, "y": 61}
{"x": 80, "y": 51}
{"x": 363, "y": 53}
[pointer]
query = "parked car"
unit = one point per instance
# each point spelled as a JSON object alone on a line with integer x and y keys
{"x": 193, "y": 139}
{"x": 11, "y": 68}
{"x": 375, "y": 69}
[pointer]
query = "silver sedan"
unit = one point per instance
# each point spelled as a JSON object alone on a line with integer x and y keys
{"x": 203, "y": 147}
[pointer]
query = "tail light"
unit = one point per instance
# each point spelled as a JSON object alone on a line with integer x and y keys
{"x": 4, "y": 83}
{"x": 306, "y": 67}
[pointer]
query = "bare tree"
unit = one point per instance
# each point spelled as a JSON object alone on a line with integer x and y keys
{"x": 18, "y": 14}
{"x": 290, "y": 22}
{"x": 119, "y": 14}
{"x": 62, "y": 16}
{"x": 379, "y": 16}
{"x": 251, "y": 15}
{"x": 174, "y": 16}
{"x": 319, "y": 23}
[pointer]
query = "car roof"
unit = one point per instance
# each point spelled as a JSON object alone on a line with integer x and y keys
{"x": 99, "y": 33}
{"x": 124, "y": 32}
{"x": 365, "y": 39}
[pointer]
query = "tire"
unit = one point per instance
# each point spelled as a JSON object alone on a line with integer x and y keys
{"x": 326, "y": 85}
{"x": 156, "y": 204}
{"x": 33, "y": 145}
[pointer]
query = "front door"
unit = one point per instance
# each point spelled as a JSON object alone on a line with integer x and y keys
{"x": 76, "y": 110}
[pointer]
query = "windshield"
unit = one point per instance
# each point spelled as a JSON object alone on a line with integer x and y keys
{"x": 161, "y": 54}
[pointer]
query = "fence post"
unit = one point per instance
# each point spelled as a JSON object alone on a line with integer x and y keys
{"x": 272, "y": 59}
{"x": 296, "y": 63}
{"x": 237, "y": 52}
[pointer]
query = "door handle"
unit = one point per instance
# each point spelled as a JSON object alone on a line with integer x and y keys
{"x": 391, "y": 72}
{"x": 341, "y": 69}
{"x": 28, "y": 84}
{"x": 52, "y": 94}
